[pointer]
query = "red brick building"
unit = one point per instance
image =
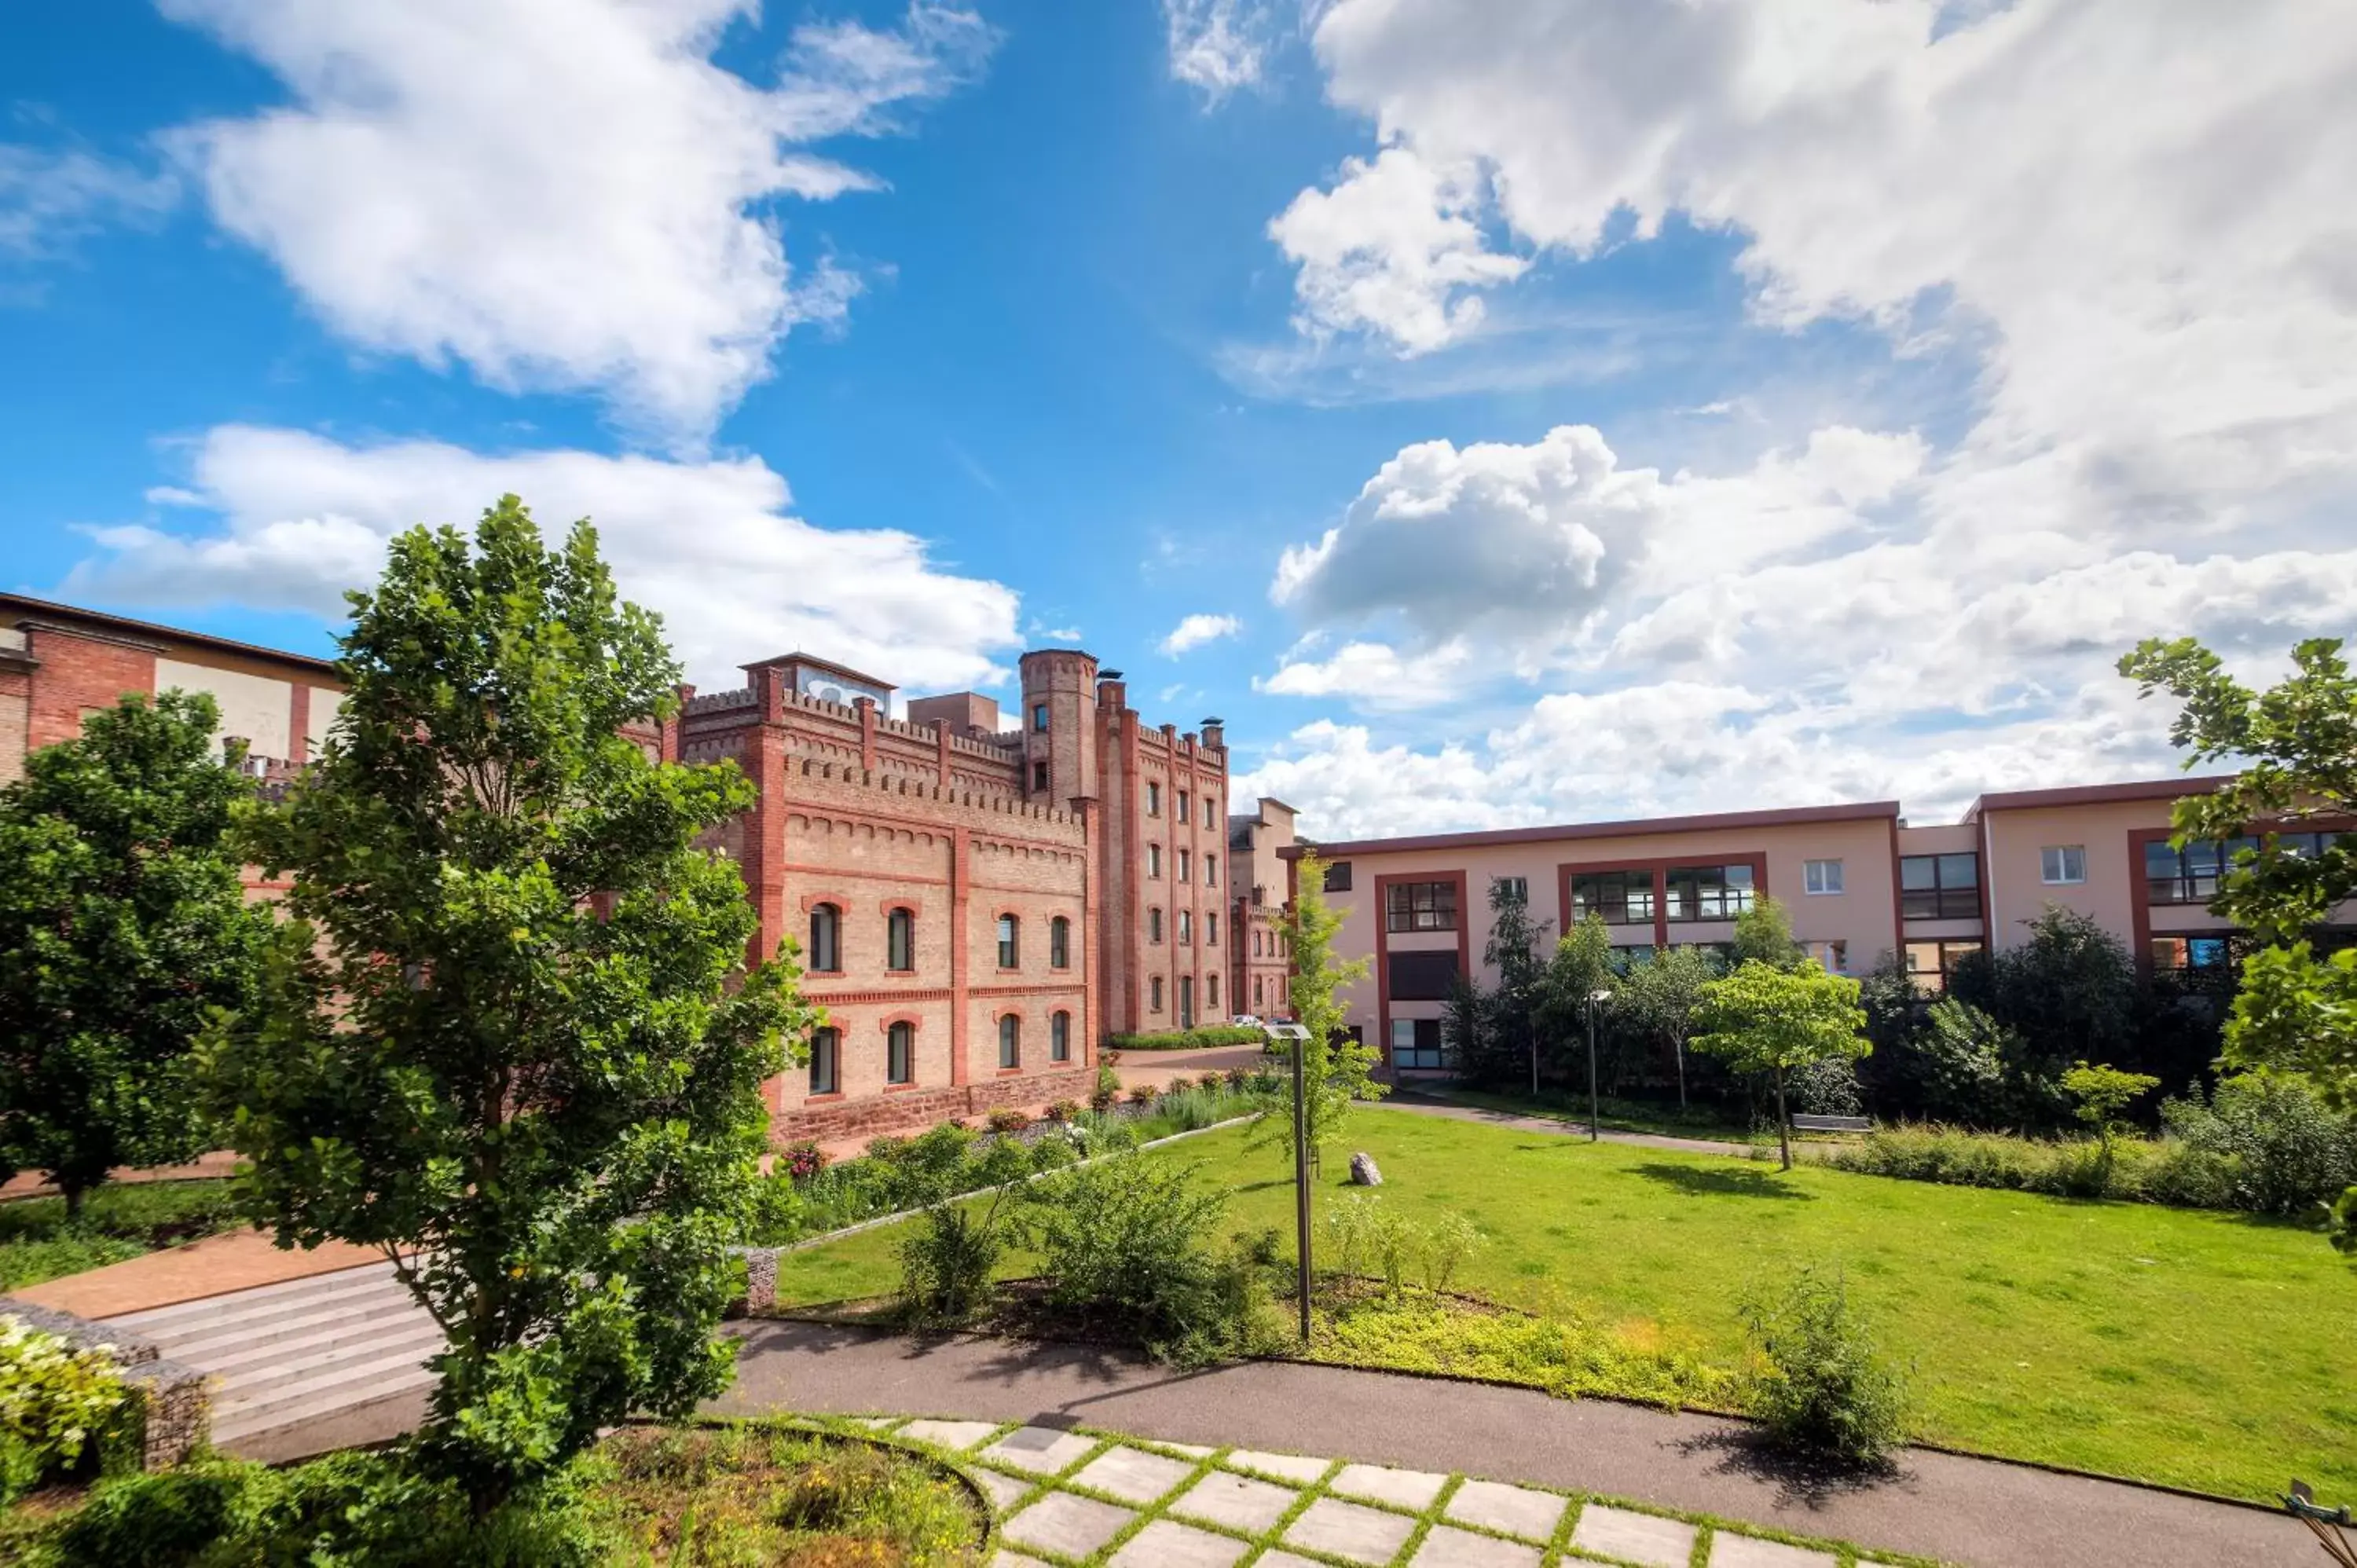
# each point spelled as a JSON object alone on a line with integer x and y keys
{"x": 977, "y": 907}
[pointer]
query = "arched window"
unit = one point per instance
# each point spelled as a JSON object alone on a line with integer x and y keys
{"x": 1059, "y": 1037}
{"x": 900, "y": 1053}
{"x": 1260, "y": 992}
{"x": 1257, "y": 934}
{"x": 1211, "y": 927}
{"x": 1154, "y": 995}
{"x": 1059, "y": 943}
{"x": 901, "y": 939}
{"x": 1010, "y": 947}
{"x": 1010, "y": 1041}
{"x": 1211, "y": 992}
{"x": 825, "y": 1061}
{"x": 1154, "y": 924}
{"x": 1187, "y": 927}
{"x": 826, "y": 938}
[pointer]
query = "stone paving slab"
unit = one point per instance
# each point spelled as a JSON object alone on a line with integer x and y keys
{"x": 1042, "y": 1450}
{"x": 1448, "y": 1547}
{"x": 1292, "y": 1467}
{"x": 1512, "y": 1510}
{"x": 950, "y": 1433}
{"x": 1003, "y": 1488}
{"x": 1238, "y": 1502}
{"x": 1192, "y": 1450}
{"x": 1346, "y": 1530}
{"x": 1067, "y": 1525}
{"x": 1167, "y": 1544}
{"x": 1728, "y": 1550}
{"x": 1015, "y": 1559}
{"x": 1412, "y": 1489}
{"x": 1131, "y": 1475}
{"x": 1634, "y": 1536}
{"x": 1276, "y": 1558}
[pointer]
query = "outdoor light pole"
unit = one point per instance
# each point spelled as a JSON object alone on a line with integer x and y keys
{"x": 1298, "y": 1037}
{"x": 1595, "y": 1116}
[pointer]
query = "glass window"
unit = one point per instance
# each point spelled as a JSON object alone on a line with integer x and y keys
{"x": 1821, "y": 875}
{"x": 2186, "y": 953}
{"x": 1038, "y": 776}
{"x": 1187, "y": 928}
{"x": 1185, "y": 1001}
{"x": 1708, "y": 892}
{"x": 1154, "y": 860}
{"x": 1010, "y": 1041}
{"x": 1257, "y": 935}
{"x": 1211, "y": 927}
{"x": 1211, "y": 870}
{"x": 1186, "y": 808}
{"x": 1618, "y": 897}
{"x": 2191, "y": 876}
{"x": 826, "y": 1050}
{"x": 1154, "y": 924}
{"x": 1931, "y": 964}
{"x": 1153, "y": 799}
{"x": 825, "y": 933}
{"x": 1833, "y": 956}
{"x": 1338, "y": 877}
{"x": 1010, "y": 945}
{"x": 1059, "y": 943}
{"x": 901, "y": 939}
{"x": 1209, "y": 819}
{"x": 900, "y": 1053}
{"x": 1040, "y": 716}
{"x": 1059, "y": 1037}
{"x": 1154, "y": 995}
{"x": 1512, "y": 887}
{"x": 1940, "y": 886}
{"x": 1211, "y": 992}
{"x": 2059, "y": 864}
{"x": 1260, "y": 990}
{"x": 1420, "y": 907}
{"x": 1186, "y": 866}
{"x": 1415, "y": 1044}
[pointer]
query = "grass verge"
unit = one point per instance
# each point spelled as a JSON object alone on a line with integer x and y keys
{"x": 119, "y": 1222}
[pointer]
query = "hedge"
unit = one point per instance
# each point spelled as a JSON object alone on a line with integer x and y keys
{"x": 1188, "y": 1039}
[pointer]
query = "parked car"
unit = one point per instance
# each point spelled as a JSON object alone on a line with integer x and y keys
{"x": 1245, "y": 1021}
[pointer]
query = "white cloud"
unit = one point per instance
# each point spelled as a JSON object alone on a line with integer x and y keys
{"x": 51, "y": 199}
{"x": 1394, "y": 248}
{"x": 1217, "y": 46}
{"x": 1375, "y": 676}
{"x": 565, "y": 194}
{"x": 1194, "y": 630}
{"x": 713, "y": 545}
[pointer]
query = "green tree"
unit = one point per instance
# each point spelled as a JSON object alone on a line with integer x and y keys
{"x": 1510, "y": 1018}
{"x": 122, "y": 925}
{"x": 1765, "y": 1019}
{"x": 2297, "y": 744}
{"x": 2102, "y": 1092}
{"x": 2069, "y": 990}
{"x": 508, "y": 1037}
{"x": 1763, "y": 934}
{"x": 1580, "y": 967}
{"x": 1662, "y": 997}
{"x": 1336, "y": 1069}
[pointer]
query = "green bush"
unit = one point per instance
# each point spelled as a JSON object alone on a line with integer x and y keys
{"x": 2141, "y": 1170}
{"x": 947, "y": 1260}
{"x": 59, "y": 1402}
{"x": 1819, "y": 1385}
{"x": 2288, "y": 1153}
{"x": 1007, "y": 1119}
{"x": 1189, "y": 1039}
{"x": 117, "y": 1222}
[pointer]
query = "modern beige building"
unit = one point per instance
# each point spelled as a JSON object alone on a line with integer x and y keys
{"x": 1858, "y": 880}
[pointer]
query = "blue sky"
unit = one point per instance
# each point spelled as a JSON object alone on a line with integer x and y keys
{"x": 1557, "y": 413}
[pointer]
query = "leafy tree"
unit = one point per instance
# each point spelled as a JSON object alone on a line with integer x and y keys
{"x": 2102, "y": 1092}
{"x": 1336, "y": 1069}
{"x": 122, "y": 925}
{"x": 1581, "y": 967}
{"x": 1466, "y": 1034}
{"x": 1765, "y": 1019}
{"x": 1763, "y": 934}
{"x": 1511, "y": 1013}
{"x": 507, "y": 1035}
{"x": 2297, "y": 1007}
{"x": 2070, "y": 993}
{"x": 1662, "y": 997}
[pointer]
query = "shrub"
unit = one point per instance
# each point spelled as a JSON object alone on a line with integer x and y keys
{"x": 1820, "y": 1386}
{"x": 1063, "y": 1110}
{"x": 1451, "y": 1240}
{"x": 804, "y": 1159}
{"x": 1108, "y": 1087}
{"x": 1124, "y": 1244}
{"x": 1144, "y": 1094}
{"x": 1006, "y": 1119}
{"x": 59, "y": 1402}
{"x": 2288, "y": 1153}
{"x": 1203, "y": 1038}
{"x": 946, "y": 1261}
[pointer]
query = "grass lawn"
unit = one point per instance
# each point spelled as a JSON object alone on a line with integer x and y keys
{"x": 119, "y": 1220}
{"x": 2202, "y": 1349}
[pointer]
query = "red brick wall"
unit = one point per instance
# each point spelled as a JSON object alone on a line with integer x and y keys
{"x": 858, "y": 1118}
{"x": 78, "y": 674}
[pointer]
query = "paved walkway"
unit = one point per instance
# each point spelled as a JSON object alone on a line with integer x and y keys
{"x": 34, "y": 1184}
{"x": 1081, "y": 1495}
{"x": 233, "y": 1261}
{"x": 1973, "y": 1511}
{"x": 1450, "y": 1110}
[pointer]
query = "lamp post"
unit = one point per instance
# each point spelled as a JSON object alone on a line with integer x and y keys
{"x": 1298, "y": 1037}
{"x": 1595, "y": 999}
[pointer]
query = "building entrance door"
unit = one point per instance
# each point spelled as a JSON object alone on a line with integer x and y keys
{"x": 1185, "y": 1001}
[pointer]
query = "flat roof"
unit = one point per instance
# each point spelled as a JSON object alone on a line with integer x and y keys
{"x": 155, "y": 631}
{"x": 1784, "y": 817}
{"x": 829, "y": 665}
{"x": 2097, "y": 794}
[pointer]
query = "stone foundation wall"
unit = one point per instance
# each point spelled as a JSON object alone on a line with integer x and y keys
{"x": 893, "y": 1113}
{"x": 176, "y": 1402}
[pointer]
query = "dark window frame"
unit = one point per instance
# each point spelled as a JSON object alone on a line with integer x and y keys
{"x": 900, "y": 1053}
{"x": 1425, "y": 1052}
{"x": 1010, "y": 1042}
{"x": 901, "y": 940}
{"x": 1414, "y": 907}
{"x": 1059, "y": 943}
{"x": 1942, "y": 898}
{"x": 826, "y": 1060}
{"x": 826, "y": 939}
{"x": 1694, "y": 893}
{"x": 1010, "y": 942}
{"x": 1631, "y": 892}
{"x": 1059, "y": 1037}
{"x": 1338, "y": 877}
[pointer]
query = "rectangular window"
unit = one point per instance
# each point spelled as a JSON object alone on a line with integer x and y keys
{"x": 1211, "y": 870}
{"x": 1415, "y": 1044}
{"x": 901, "y": 940}
{"x": 2061, "y": 864}
{"x": 1211, "y": 992}
{"x": 1187, "y": 928}
{"x": 1038, "y": 776}
{"x": 1516, "y": 887}
{"x": 1059, "y": 1037}
{"x": 1421, "y": 976}
{"x": 1940, "y": 886}
{"x": 1154, "y": 995}
{"x": 1338, "y": 877}
{"x": 1040, "y": 716}
{"x": 1059, "y": 943}
{"x": 1211, "y": 927}
{"x": 1209, "y": 819}
{"x": 1010, "y": 945}
{"x": 1616, "y": 897}
{"x": 1833, "y": 956}
{"x": 1154, "y": 860}
{"x": 1154, "y": 924}
{"x": 1153, "y": 799}
{"x": 1010, "y": 1042}
{"x": 1708, "y": 892}
{"x": 1420, "y": 907}
{"x": 1821, "y": 876}
{"x": 1185, "y": 1001}
{"x": 900, "y": 1053}
{"x": 1186, "y": 866}
{"x": 825, "y": 1051}
{"x": 1185, "y": 806}
{"x": 1931, "y": 964}
{"x": 2193, "y": 874}
{"x": 2185, "y": 954}
{"x": 1260, "y": 990}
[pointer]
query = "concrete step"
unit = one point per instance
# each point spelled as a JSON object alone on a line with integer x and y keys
{"x": 230, "y": 1336}
{"x": 258, "y": 1304}
{"x": 259, "y": 1379}
{"x": 355, "y": 1376}
{"x": 350, "y": 1386}
{"x": 357, "y": 1331}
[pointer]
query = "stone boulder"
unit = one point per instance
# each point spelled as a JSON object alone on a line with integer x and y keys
{"x": 1363, "y": 1172}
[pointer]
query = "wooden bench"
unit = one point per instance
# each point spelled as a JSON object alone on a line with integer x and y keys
{"x": 1832, "y": 1124}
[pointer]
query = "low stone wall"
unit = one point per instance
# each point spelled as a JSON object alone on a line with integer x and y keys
{"x": 927, "y": 1107}
{"x": 175, "y": 1400}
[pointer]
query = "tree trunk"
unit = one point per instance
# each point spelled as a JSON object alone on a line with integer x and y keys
{"x": 1784, "y": 1122}
{"x": 74, "y": 1193}
{"x": 1679, "y": 1047}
